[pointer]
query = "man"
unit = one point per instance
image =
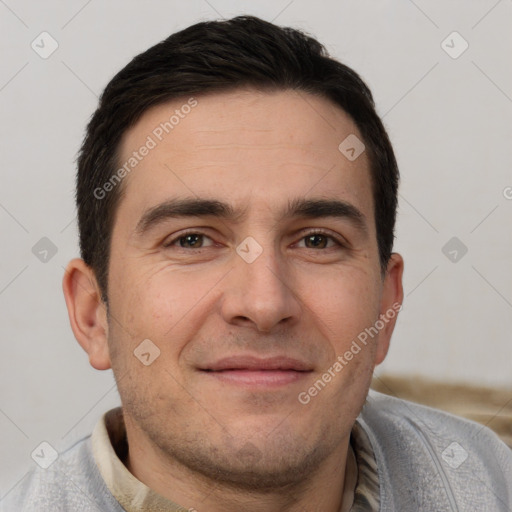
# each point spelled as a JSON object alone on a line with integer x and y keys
{"x": 236, "y": 199}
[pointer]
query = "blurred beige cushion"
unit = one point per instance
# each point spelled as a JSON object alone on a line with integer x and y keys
{"x": 488, "y": 406}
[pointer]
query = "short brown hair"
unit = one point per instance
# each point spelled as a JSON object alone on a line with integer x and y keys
{"x": 218, "y": 56}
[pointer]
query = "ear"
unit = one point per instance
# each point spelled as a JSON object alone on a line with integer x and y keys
{"x": 87, "y": 313}
{"x": 390, "y": 304}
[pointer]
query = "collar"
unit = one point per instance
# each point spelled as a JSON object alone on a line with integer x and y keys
{"x": 110, "y": 448}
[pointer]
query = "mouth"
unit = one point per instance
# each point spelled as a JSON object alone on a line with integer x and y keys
{"x": 249, "y": 371}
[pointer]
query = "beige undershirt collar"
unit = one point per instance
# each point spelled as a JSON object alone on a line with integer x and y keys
{"x": 131, "y": 493}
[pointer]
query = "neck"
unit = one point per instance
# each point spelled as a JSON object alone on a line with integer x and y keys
{"x": 323, "y": 488}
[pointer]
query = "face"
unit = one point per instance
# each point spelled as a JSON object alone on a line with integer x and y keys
{"x": 244, "y": 248}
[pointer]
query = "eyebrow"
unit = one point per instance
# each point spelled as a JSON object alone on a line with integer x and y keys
{"x": 321, "y": 208}
{"x": 198, "y": 207}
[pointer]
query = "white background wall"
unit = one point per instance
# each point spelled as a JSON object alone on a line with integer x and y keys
{"x": 449, "y": 120}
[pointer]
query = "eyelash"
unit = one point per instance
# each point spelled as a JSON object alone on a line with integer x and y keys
{"x": 313, "y": 231}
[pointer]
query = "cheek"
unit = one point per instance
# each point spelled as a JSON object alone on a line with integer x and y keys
{"x": 143, "y": 299}
{"x": 162, "y": 303}
{"x": 345, "y": 302}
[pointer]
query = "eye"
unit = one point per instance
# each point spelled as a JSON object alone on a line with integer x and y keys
{"x": 319, "y": 240}
{"x": 190, "y": 240}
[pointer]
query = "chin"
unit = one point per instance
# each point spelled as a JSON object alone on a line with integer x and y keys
{"x": 257, "y": 465}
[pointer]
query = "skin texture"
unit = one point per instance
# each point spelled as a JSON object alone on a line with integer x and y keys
{"x": 201, "y": 441}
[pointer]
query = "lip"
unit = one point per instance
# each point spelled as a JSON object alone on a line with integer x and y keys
{"x": 246, "y": 362}
{"x": 250, "y": 371}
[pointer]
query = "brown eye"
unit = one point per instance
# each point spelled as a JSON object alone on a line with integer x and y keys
{"x": 193, "y": 240}
{"x": 320, "y": 240}
{"x": 316, "y": 241}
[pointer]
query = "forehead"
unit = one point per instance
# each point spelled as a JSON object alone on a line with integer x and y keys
{"x": 253, "y": 148}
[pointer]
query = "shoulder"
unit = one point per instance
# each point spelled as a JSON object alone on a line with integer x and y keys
{"x": 71, "y": 482}
{"x": 426, "y": 455}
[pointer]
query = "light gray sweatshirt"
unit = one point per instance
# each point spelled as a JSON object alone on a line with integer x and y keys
{"x": 427, "y": 460}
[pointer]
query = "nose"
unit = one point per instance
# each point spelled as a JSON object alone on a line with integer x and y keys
{"x": 260, "y": 294}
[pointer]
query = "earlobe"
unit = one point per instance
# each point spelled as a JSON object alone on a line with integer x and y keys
{"x": 391, "y": 303}
{"x": 87, "y": 312}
